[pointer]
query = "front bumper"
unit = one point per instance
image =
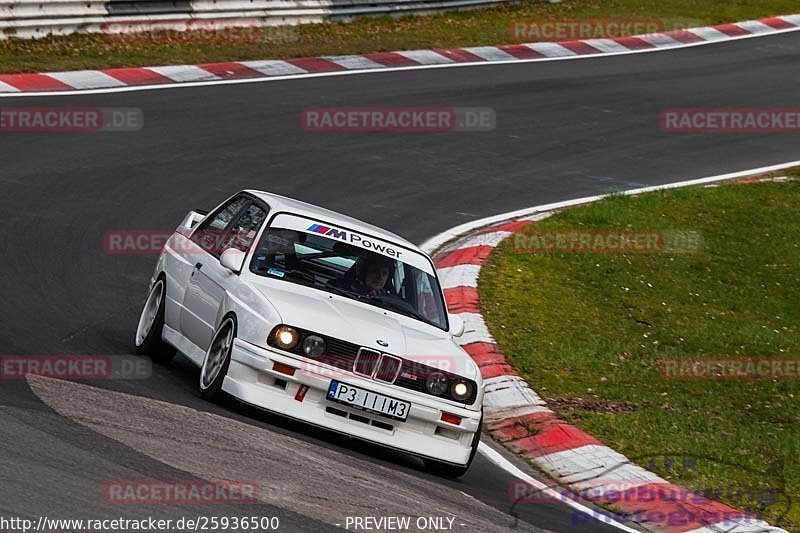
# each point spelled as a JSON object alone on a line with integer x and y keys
{"x": 252, "y": 378}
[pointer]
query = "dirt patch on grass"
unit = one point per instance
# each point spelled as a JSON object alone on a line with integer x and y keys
{"x": 564, "y": 404}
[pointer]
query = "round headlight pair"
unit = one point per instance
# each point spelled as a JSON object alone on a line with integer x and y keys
{"x": 287, "y": 338}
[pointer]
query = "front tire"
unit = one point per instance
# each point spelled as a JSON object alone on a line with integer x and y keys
{"x": 217, "y": 360}
{"x": 451, "y": 471}
{"x": 151, "y": 326}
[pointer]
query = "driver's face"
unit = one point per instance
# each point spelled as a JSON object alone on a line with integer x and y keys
{"x": 376, "y": 277}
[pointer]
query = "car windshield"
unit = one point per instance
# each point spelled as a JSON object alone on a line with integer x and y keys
{"x": 352, "y": 271}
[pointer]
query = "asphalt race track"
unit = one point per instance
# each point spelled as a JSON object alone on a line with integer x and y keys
{"x": 564, "y": 129}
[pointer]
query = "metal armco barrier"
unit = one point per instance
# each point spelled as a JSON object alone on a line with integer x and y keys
{"x": 147, "y": 7}
{"x": 37, "y": 18}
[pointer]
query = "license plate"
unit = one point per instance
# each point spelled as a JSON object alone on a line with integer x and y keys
{"x": 369, "y": 401}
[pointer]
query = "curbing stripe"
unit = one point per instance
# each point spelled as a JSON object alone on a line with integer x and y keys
{"x": 184, "y": 73}
{"x": 521, "y": 51}
{"x": 755, "y": 26}
{"x": 391, "y": 59}
{"x": 732, "y": 30}
{"x": 425, "y": 57}
{"x": 459, "y": 55}
{"x": 550, "y": 49}
{"x": 231, "y": 70}
{"x": 608, "y": 46}
{"x": 738, "y": 526}
{"x": 490, "y": 53}
{"x": 462, "y": 299}
{"x": 86, "y": 79}
{"x": 777, "y": 23}
{"x": 709, "y": 33}
{"x": 794, "y": 20}
{"x": 274, "y": 67}
{"x": 634, "y": 43}
{"x": 116, "y": 80}
{"x": 137, "y": 76}
{"x": 316, "y": 64}
{"x": 33, "y": 82}
{"x": 490, "y": 238}
{"x": 7, "y": 88}
{"x": 473, "y": 255}
{"x": 580, "y": 48}
{"x": 661, "y": 40}
{"x": 354, "y": 62}
{"x": 685, "y": 37}
{"x": 475, "y": 329}
{"x": 459, "y": 276}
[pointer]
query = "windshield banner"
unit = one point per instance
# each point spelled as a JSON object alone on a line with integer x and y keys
{"x": 367, "y": 242}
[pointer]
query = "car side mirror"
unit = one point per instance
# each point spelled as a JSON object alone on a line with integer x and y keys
{"x": 232, "y": 259}
{"x": 456, "y": 325}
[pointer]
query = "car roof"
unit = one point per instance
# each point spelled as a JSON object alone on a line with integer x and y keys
{"x": 282, "y": 203}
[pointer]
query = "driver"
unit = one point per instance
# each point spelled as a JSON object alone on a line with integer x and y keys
{"x": 377, "y": 272}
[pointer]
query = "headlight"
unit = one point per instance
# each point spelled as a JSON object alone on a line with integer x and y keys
{"x": 314, "y": 346}
{"x": 460, "y": 390}
{"x": 286, "y": 338}
{"x": 436, "y": 384}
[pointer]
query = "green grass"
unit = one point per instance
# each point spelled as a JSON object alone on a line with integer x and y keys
{"x": 478, "y": 27}
{"x": 588, "y": 332}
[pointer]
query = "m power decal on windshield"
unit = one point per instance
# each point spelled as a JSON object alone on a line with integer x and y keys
{"x": 354, "y": 238}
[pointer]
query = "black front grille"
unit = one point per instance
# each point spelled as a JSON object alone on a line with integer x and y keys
{"x": 388, "y": 368}
{"x": 340, "y": 354}
{"x": 345, "y": 355}
{"x": 366, "y": 361}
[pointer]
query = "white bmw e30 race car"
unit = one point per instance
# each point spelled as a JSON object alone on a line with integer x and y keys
{"x": 320, "y": 317}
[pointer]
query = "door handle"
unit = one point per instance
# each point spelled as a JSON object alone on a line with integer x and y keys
{"x": 198, "y": 266}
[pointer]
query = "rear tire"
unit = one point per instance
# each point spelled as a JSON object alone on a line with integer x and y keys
{"x": 452, "y": 471}
{"x": 151, "y": 326}
{"x": 217, "y": 360}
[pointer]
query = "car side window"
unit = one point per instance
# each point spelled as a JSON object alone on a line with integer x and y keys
{"x": 244, "y": 229}
{"x": 210, "y": 235}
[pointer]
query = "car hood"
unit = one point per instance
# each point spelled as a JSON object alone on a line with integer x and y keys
{"x": 365, "y": 324}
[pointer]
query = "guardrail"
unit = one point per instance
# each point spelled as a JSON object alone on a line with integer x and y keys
{"x": 38, "y": 18}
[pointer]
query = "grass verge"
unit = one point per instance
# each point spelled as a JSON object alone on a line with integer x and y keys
{"x": 469, "y": 28}
{"x": 590, "y": 330}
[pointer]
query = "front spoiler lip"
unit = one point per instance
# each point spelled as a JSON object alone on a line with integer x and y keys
{"x": 342, "y": 433}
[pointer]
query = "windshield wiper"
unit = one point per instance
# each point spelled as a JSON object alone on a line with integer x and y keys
{"x": 342, "y": 292}
{"x": 402, "y": 308}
